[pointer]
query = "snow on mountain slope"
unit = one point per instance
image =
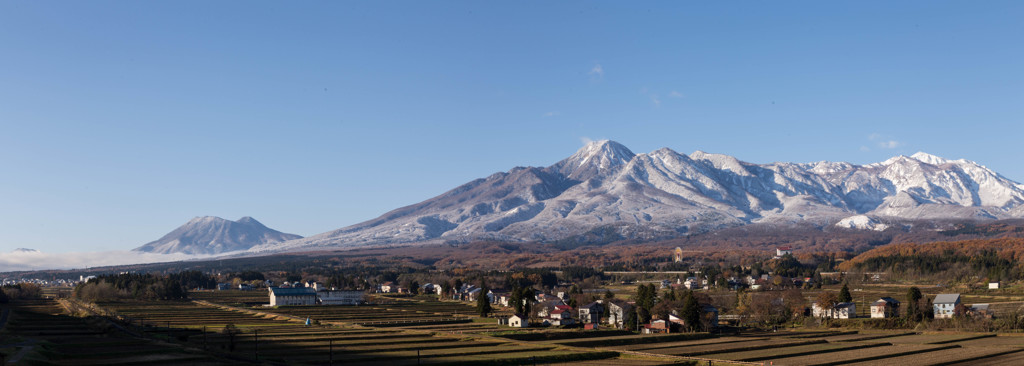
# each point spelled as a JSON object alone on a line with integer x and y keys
{"x": 212, "y": 235}
{"x": 605, "y": 187}
{"x": 862, "y": 222}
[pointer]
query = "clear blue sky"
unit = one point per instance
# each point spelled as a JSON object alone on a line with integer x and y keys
{"x": 120, "y": 121}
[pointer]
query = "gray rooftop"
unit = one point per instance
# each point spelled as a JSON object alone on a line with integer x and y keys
{"x": 946, "y": 299}
{"x": 294, "y": 291}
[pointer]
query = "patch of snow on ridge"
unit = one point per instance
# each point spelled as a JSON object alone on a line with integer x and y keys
{"x": 861, "y": 222}
{"x": 928, "y": 158}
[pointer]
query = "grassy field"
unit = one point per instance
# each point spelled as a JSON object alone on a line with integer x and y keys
{"x": 411, "y": 331}
{"x": 46, "y": 336}
{"x": 285, "y": 339}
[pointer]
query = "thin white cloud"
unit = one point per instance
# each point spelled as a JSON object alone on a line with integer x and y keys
{"x": 890, "y": 144}
{"x": 883, "y": 141}
{"x": 25, "y": 261}
{"x": 597, "y": 71}
{"x": 655, "y": 100}
{"x": 865, "y": 148}
{"x": 552, "y": 114}
{"x": 586, "y": 140}
{"x": 675, "y": 94}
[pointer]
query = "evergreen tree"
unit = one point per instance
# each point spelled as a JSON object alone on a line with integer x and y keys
{"x": 844, "y": 294}
{"x": 516, "y": 298}
{"x": 913, "y": 303}
{"x": 528, "y": 296}
{"x": 691, "y": 311}
{"x": 608, "y": 294}
{"x": 483, "y": 305}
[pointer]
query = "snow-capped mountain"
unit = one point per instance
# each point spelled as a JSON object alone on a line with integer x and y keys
{"x": 605, "y": 190}
{"x": 212, "y": 235}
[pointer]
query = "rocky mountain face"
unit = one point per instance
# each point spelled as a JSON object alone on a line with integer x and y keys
{"x": 213, "y": 235}
{"x": 605, "y": 192}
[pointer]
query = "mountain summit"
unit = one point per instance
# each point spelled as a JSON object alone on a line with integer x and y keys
{"x": 605, "y": 192}
{"x": 212, "y": 235}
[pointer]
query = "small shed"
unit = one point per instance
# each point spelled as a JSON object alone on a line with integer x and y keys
{"x": 518, "y": 321}
{"x": 885, "y": 307}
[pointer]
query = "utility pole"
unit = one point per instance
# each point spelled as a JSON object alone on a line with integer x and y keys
{"x": 257, "y": 352}
{"x": 330, "y": 351}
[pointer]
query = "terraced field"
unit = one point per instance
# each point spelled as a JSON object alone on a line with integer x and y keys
{"x": 809, "y": 349}
{"x": 45, "y": 336}
{"x": 1016, "y": 358}
{"x": 267, "y": 337}
{"x": 421, "y": 331}
{"x": 965, "y": 354}
{"x": 875, "y": 354}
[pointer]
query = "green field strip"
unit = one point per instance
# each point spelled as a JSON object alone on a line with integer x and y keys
{"x": 858, "y": 355}
{"x": 654, "y": 346}
{"x": 822, "y": 334}
{"x": 966, "y": 338}
{"x": 767, "y": 354}
{"x": 947, "y": 356}
{"x": 632, "y": 339}
{"x": 389, "y": 357}
{"x": 998, "y": 340}
{"x": 868, "y": 337}
{"x": 709, "y": 349}
{"x": 1014, "y": 358}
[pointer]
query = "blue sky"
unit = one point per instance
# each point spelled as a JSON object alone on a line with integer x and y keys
{"x": 121, "y": 120}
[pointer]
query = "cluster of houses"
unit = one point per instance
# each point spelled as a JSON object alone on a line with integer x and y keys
{"x": 943, "y": 307}
{"x": 313, "y": 294}
{"x": 250, "y": 287}
{"x": 551, "y": 310}
{"x": 393, "y": 288}
{"x": 44, "y": 283}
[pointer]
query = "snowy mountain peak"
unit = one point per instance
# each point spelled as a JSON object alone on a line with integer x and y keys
{"x": 606, "y": 192}
{"x": 928, "y": 158}
{"x": 605, "y": 151}
{"x": 596, "y": 158}
{"x": 248, "y": 220}
{"x": 212, "y": 235}
{"x": 206, "y": 220}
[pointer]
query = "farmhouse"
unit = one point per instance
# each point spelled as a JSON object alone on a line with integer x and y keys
{"x": 781, "y": 251}
{"x": 944, "y": 305}
{"x": 591, "y": 313}
{"x": 617, "y": 311}
{"x": 339, "y": 297}
{"x": 518, "y": 321}
{"x": 292, "y": 296}
{"x": 560, "y": 317}
{"x": 885, "y": 307}
{"x": 544, "y": 308}
{"x": 843, "y": 310}
{"x": 657, "y": 326}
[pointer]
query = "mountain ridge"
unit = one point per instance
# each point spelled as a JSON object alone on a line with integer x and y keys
{"x": 214, "y": 235}
{"x": 665, "y": 194}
